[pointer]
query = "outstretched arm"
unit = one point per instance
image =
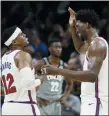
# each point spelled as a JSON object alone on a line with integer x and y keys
{"x": 68, "y": 89}
{"x": 97, "y": 53}
{"x": 82, "y": 76}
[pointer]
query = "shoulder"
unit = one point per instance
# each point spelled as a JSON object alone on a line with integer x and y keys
{"x": 39, "y": 64}
{"x": 22, "y": 57}
{"x": 98, "y": 48}
{"x": 98, "y": 45}
{"x": 22, "y": 54}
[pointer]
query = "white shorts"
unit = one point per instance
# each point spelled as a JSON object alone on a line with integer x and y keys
{"x": 20, "y": 109}
{"x": 94, "y": 108}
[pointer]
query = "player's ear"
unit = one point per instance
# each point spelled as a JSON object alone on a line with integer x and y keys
{"x": 13, "y": 42}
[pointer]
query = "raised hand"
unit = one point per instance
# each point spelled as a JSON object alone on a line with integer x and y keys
{"x": 72, "y": 16}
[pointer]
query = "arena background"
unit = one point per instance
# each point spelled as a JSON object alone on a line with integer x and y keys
{"x": 39, "y": 19}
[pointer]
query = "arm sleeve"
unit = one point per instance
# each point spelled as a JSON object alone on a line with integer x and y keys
{"x": 28, "y": 80}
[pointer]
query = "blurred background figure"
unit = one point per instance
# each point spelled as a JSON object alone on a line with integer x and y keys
{"x": 75, "y": 64}
{"x": 72, "y": 106}
{"x": 74, "y": 61}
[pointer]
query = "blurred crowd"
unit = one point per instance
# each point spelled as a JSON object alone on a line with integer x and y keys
{"x": 39, "y": 20}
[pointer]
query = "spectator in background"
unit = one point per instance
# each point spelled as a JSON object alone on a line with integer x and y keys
{"x": 65, "y": 40}
{"x": 74, "y": 64}
{"x": 72, "y": 107}
{"x": 40, "y": 48}
{"x": 36, "y": 48}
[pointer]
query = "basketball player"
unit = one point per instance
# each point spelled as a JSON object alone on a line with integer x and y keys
{"x": 18, "y": 76}
{"x": 49, "y": 94}
{"x": 94, "y": 78}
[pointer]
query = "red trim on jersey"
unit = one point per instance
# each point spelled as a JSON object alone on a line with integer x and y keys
{"x": 97, "y": 98}
{"x": 32, "y": 105}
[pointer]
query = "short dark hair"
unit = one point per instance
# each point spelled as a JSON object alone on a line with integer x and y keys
{"x": 54, "y": 38}
{"x": 7, "y": 33}
{"x": 88, "y": 15}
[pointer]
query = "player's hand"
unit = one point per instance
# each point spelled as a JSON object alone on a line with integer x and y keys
{"x": 41, "y": 102}
{"x": 65, "y": 102}
{"x": 49, "y": 69}
{"x": 62, "y": 99}
{"x": 72, "y": 17}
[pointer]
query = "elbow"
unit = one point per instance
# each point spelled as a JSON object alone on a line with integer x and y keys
{"x": 93, "y": 77}
{"x": 70, "y": 87}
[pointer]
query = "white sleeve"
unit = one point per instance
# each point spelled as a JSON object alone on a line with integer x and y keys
{"x": 28, "y": 80}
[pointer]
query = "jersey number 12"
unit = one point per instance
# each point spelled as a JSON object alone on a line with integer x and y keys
{"x": 8, "y": 87}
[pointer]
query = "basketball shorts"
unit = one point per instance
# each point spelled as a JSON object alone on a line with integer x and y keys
{"x": 20, "y": 109}
{"x": 53, "y": 108}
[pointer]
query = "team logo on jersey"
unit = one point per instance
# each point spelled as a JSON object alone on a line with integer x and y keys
{"x": 54, "y": 77}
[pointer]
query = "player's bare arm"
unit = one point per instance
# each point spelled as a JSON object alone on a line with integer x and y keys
{"x": 97, "y": 54}
{"x": 80, "y": 46}
{"x": 39, "y": 64}
{"x": 68, "y": 89}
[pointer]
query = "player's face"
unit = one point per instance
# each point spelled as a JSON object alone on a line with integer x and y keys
{"x": 56, "y": 49}
{"x": 22, "y": 39}
{"x": 81, "y": 28}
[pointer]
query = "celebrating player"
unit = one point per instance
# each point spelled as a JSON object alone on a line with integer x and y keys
{"x": 94, "y": 77}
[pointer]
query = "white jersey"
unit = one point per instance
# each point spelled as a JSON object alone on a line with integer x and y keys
{"x": 11, "y": 80}
{"x": 98, "y": 89}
